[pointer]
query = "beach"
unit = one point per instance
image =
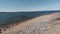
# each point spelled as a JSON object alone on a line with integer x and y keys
{"x": 46, "y": 24}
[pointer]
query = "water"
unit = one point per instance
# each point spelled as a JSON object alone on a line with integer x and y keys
{"x": 13, "y": 17}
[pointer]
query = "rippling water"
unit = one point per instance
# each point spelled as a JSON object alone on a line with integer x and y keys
{"x": 12, "y": 17}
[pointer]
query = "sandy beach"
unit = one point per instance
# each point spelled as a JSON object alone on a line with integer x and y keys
{"x": 46, "y": 24}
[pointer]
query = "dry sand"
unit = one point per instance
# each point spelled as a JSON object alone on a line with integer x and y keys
{"x": 46, "y": 24}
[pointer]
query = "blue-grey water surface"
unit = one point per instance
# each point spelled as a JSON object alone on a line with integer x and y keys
{"x": 12, "y": 17}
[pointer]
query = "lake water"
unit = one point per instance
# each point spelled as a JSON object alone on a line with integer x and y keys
{"x": 13, "y": 17}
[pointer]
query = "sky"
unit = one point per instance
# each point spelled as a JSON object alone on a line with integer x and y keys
{"x": 29, "y": 5}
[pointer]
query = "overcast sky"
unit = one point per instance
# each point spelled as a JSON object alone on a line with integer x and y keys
{"x": 29, "y": 5}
